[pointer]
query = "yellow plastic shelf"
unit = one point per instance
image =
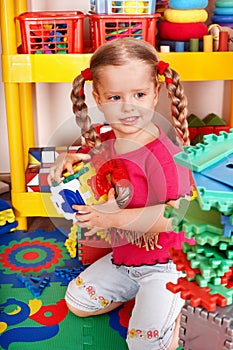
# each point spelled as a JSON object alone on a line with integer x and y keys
{"x": 34, "y": 204}
{"x": 196, "y": 66}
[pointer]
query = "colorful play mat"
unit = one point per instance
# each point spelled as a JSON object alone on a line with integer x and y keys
{"x": 35, "y": 269}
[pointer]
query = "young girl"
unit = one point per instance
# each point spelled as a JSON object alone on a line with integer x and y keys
{"x": 126, "y": 89}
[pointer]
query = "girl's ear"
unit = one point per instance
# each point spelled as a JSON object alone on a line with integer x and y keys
{"x": 97, "y": 100}
{"x": 157, "y": 89}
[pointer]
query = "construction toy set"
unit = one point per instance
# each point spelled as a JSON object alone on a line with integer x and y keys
{"x": 208, "y": 263}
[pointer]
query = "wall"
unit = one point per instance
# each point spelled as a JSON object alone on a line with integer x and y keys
{"x": 55, "y": 124}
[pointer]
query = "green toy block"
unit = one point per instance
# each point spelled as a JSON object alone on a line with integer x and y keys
{"x": 213, "y": 119}
{"x": 194, "y": 121}
{"x": 190, "y": 218}
{"x": 202, "y": 156}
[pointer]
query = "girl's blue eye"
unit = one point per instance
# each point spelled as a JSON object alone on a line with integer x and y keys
{"x": 139, "y": 94}
{"x": 115, "y": 98}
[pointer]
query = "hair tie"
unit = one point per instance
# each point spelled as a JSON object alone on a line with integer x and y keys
{"x": 86, "y": 73}
{"x": 81, "y": 92}
{"x": 162, "y": 66}
{"x": 168, "y": 81}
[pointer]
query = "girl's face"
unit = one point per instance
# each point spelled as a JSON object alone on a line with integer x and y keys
{"x": 127, "y": 96}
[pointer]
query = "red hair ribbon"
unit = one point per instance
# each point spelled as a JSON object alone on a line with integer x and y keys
{"x": 86, "y": 73}
{"x": 81, "y": 92}
{"x": 162, "y": 66}
{"x": 168, "y": 80}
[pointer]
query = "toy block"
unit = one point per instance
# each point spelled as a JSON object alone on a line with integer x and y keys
{"x": 218, "y": 129}
{"x": 201, "y": 156}
{"x": 205, "y": 130}
{"x": 200, "y": 329}
{"x": 192, "y": 132}
{"x": 43, "y": 175}
{"x": 182, "y": 263}
{"x": 32, "y": 175}
{"x": 35, "y": 284}
{"x": 34, "y": 156}
{"x": 68, "y": 274}
{"x": 194, "y": 121}
{"x": 227, "y": 221}
{"x": 213, "y": 120}
{"x": 190, "y": 218}
{"x": 189, "y": 290}
{"x": 48, "y": 155}
{"x": 33, "y": 188}
{"x": 7, "y": 217}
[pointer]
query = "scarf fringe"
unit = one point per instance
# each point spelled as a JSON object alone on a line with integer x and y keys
{"x": 149, "y": 241}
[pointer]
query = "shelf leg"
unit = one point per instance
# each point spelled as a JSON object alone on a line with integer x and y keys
{"x": 231, "y": 106}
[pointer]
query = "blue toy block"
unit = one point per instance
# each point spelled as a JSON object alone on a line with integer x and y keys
{"x": 227, "y": 221}
{"x": 35, "y": 284}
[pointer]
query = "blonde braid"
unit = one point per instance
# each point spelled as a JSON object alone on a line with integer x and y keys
{"x": 179, "y": 104}
{"x": 80, "y": 110}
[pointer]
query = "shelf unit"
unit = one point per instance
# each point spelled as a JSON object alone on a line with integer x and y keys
{"x": 21, "y": 70}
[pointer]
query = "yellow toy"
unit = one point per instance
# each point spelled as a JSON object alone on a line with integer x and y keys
{"x": 134, "y": 7}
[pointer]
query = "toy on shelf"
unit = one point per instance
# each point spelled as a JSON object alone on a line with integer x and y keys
{"x": 123, "y": 7}
{"x": 52, "y": 32}
{"x": 211, "y": 124}
{"x": 208, "y": 263}
{"x": 104, "y": 28}
{"x": 7, "y": 217}
{"x": 223, "y": 13}
{"x": 183, "y": 26}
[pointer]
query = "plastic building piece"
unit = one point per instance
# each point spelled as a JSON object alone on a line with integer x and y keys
{"x": 68, "y": 274}
{"x": 227, "y": 221}
{"x": 201, "y": 156}
{"x": 190, "y": 218}
{"x": 197, "y": 296}
{"x": 7, "y": 217}
{"x": 200, "y": 329}
{"x": 214, "y": 120}
{"x": 35, "y": 284}
{"x": 182, "y": 263}
{"x": 71, "y": 241}
{"x": 194, "y": 121}
{"x": 75, "y": 190}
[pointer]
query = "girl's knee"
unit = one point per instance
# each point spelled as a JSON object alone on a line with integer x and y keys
{"x": 77, "y": 312}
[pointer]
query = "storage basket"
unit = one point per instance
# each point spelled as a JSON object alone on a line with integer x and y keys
{"x": 104, "y": 28}
{"x": 52, "y": 32}
{"x": 124, "y": 7}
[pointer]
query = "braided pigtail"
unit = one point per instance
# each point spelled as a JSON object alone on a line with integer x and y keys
{"x": 80, "y": 110}
{"x": 179, "y": 101}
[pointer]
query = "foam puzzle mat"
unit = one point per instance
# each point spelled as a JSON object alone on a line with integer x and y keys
{"x": 35, "y": 269}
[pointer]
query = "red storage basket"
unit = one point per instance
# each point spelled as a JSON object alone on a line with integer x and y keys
{"x": 52, "y": 32}
{"x": 104, "y": 28}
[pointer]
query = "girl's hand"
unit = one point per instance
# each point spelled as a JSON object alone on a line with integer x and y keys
{"x": 63, "y": 162}
{"x": 98, "y": 216}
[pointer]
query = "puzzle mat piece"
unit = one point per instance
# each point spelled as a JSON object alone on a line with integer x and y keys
{"x": 201, "y": 156}
{"x": 190, "y": 218}
{"x": 189, "y": 290}
{"x": 75, "y": 332}
{"x": 221, "y": 171}
{"x": 213, "y": 194}
{"x": 200, "y": 329}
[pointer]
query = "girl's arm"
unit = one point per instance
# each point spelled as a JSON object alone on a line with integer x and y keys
{"x": 107, "y": 215}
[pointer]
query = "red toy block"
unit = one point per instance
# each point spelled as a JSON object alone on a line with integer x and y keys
{"x": 192, "y": 133}
{"x": 182, "y": 263}
{"x": 219, "y": 128}
{"x": 205, "y": 130}
{"x": 91, "y": 250}
{"x": 198, "y": 296}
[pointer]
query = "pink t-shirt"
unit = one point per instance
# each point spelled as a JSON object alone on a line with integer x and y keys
{"x": 155, "y": 178}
